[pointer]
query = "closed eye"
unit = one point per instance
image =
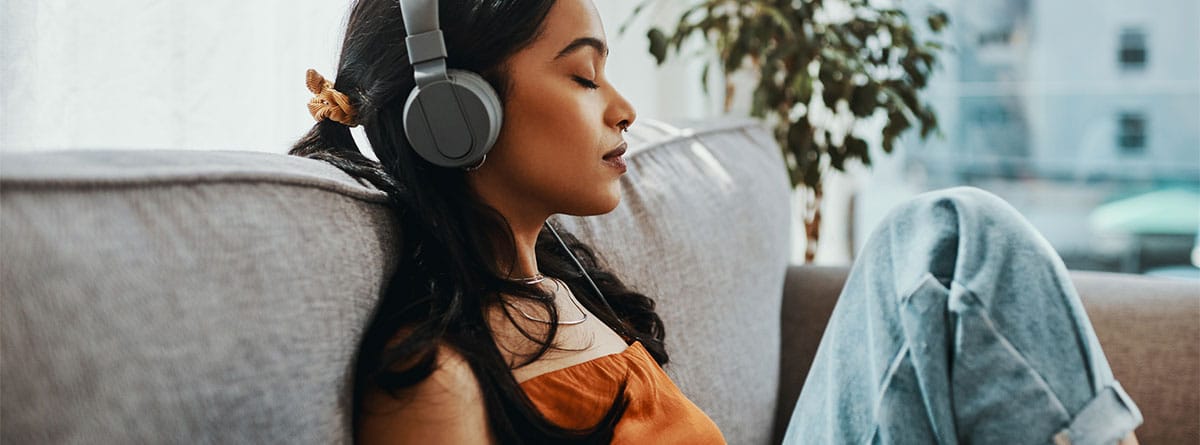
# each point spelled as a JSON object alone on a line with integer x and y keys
{"x": 586, "y": 83}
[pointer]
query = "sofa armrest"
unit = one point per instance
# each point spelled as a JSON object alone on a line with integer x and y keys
{"x": 809, "y": 294}
{"x": 1149, "y": 329}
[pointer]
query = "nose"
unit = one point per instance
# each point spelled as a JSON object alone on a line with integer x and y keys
{"x": 621, "y": 113}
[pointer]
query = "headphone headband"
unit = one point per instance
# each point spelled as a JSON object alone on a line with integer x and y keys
{"x": 419, "y": 16}
{"x": 426, "y": 45}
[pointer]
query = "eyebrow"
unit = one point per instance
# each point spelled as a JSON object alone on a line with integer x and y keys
{"x": 582, "y": 42}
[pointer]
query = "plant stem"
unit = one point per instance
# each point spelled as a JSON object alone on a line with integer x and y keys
{"x": 812, "y": 223}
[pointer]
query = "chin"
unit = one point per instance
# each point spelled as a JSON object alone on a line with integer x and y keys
{"x": 598, "y": 205}
{"x": 614, "y": 203}
{"x": 613, "y": 199}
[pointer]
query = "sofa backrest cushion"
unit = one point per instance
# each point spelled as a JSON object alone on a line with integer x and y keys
{"x": 183, "y": 296}
{"x": 218, "y": 297}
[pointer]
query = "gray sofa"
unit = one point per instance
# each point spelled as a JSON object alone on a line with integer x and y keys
{"x": 217, "y": 297}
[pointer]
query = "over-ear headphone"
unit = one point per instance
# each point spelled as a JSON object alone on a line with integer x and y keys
{"x": 452, "y": 117}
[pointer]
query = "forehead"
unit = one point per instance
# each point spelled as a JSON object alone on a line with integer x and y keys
{"x": 567, "y": 21}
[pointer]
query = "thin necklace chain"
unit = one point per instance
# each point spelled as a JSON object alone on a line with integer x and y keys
{"x": 539, "y": 279}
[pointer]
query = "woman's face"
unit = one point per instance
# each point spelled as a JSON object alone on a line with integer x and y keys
{"x": 561, "y": 117}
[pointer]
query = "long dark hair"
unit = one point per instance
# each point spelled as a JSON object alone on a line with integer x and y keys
{"x": 449, "y": 276}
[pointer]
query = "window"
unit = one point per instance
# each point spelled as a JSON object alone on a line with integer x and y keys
{"x": 1131, "y": 132}
{"x": 999, "y": 37}
{"x": 1132, "y": 49}
{"x": 991, "y": 114}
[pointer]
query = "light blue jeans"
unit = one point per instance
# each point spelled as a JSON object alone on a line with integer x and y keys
{"x": 959, "y": 324}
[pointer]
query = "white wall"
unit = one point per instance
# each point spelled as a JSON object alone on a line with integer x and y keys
{"x": 142, "y": 74}
{"x": 224, "y": 74}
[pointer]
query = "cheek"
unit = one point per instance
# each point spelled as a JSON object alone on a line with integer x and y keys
{"x": 562, "y": 121}
{"x": 549, "y": 149}
{"x": 552, "y": 129}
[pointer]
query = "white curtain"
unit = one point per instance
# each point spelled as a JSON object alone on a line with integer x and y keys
{"x": 222, "y": 74}
{"x": 137, "y": 74}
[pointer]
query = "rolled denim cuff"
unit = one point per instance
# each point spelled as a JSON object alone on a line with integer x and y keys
{"x": 1106, "y": 419}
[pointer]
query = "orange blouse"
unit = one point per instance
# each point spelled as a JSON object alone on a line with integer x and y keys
{"x": 578, "y": 396}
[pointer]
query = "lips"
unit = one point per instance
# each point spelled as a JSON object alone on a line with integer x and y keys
{"x": 616, "y": 152}
{"x": 613, "y": 157}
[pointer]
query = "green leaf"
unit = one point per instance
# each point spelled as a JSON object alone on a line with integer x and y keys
{"x": 758, "y": 102}
{"x": 857, "y": 148}
{"x": 775, "y": 96}
{"x": 834, "y": 91}
{"x": 800, "y": 142}
{"x": 741, "y": 46}
{"x": 864, "y": 99}
{"x": 801, "y": 86}
{"x": 837, "y": 157}
{"x": 658, "y": 44}
{"x": 812, "y": 174}
{"x": 938, "y": 21}
{"x": 780, "y": 19}
{"x": 897, "y": 123}
{"x": 928, "y": 122}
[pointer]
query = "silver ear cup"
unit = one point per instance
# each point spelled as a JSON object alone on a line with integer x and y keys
{"x": 453, "y": 123}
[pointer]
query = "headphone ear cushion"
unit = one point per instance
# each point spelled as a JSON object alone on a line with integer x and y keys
{"x": 455, "y": 122}
{"x": 491, "y": 101}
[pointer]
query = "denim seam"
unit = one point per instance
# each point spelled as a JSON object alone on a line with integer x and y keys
{"x": 1041, "y": 381}
{"x": 917, "y": 285}
{"x": 930, "y": 283}
{"x": 891, "y": 373}
{"x": 1067, "y": 290}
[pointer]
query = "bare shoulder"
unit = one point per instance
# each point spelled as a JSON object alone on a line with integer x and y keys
{"x": 447, "y": 407}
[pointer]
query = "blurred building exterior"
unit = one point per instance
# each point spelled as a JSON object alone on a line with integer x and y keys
{"x": 1063, "y": 106}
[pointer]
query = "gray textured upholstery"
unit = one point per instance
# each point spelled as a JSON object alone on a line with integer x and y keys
{"x": 182, "y": 296}
{"x": 217, "y": 297}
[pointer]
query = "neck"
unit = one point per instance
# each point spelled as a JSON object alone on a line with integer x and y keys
{"x": 525, "y": 236}
{"x": 524, "y": 217}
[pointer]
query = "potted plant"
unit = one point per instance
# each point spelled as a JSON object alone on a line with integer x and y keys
{"x": 850, "y": 58}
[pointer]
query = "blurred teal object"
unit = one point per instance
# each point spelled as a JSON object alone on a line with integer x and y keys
{"x": 1161, "y": 212}
{"x": 1186, "y": 272}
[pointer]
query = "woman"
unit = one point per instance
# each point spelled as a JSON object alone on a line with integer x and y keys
{"x": 488, "y": 331}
